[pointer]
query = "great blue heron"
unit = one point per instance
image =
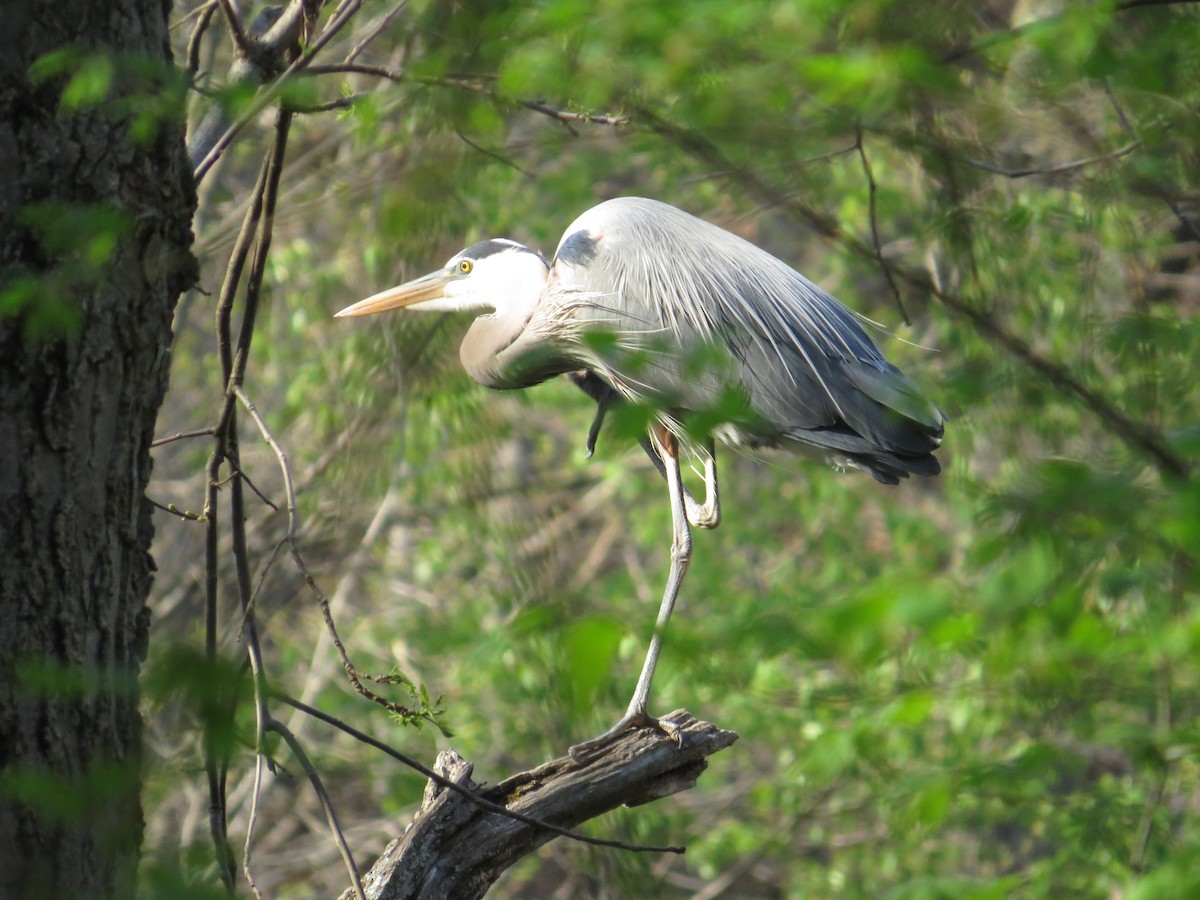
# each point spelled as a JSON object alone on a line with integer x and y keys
{"x": 644, "y": 302}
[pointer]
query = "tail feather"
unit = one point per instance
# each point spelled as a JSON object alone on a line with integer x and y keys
{"x": 852, "y": 449}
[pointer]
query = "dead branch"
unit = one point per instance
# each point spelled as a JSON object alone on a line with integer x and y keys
{"x": 454, "y": 848}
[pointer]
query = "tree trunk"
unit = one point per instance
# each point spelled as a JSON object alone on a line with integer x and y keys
{"x": 95, "y": 207}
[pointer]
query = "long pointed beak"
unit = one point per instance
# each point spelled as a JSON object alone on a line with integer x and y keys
{"x": 430, "y": 287}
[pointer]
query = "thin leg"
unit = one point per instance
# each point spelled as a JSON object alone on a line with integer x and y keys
{"x": 681, "y": 555}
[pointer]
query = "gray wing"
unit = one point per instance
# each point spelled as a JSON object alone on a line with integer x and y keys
{"x": 668, "y": 287}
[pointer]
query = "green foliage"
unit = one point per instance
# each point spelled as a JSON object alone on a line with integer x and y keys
{"x": 76, "y": 242}
{"x": 422, "y": 708}
{"x": 142, "y": 91}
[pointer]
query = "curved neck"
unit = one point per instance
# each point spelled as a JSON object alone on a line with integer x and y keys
{"x": 516, "y": 347}
{"x": 486, "y": 342}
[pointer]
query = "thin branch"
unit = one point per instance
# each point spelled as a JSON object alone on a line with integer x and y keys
{"x": 492, "y": 154}
{"x": 262, "y": 716}
{"x": 233, "y": 363}
{"x": 871, "y": 188}
{"x": 205, "y": 15}
{"x": 453, "y": 786}
{"x": 262, "y": 580}
{"x": 792, "y": 164}
{"x": 375, "y": 31}
{"x": 218, "y": 827}
{"x": 272, "y": 172}
{"x": 1052, "y": 170}
{"x": 250, "y": 638}
{"x": 240, "y": 40}
{"x": 229, "y": 286}
{"x": 252, "y": 822}
{"x": 348, "y": 68}
{"x": 289, "y": 489}
{"x": 339, "y": 838}
{"x": 1146, "y": 829}
{"x": 176, "y": 511}
{"x": 991, "y": 39}
{"x": 1139, "y": 4}
{"x": 564, "y": 116}
{"x": 353, "y": 674}
{"x": 234, "y": 368}
{"x": 1184, "y": 220}
{"x": 182, "y": 435}
{"x": 280, "y": 454}
{"x": 1132, "y": 432}
{"x": 240, "y": 475}
{"x": 308, "y": 109}
{"x": 191, "y": 14}
{"x": 474, "y": 86}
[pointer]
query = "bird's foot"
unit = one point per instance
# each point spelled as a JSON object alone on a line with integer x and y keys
{"x": 631, "y": 720}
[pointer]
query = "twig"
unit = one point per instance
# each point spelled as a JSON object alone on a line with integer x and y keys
{"x": 233, "y": 365}
{"x": 474, "y": 86}
{"x": 216, "y": 793}
{"x": 375, "y": 30}
{"x": 1162, "y": 725}
{"x": 176, "y": 511}
{"x": 253, "y": 653}
{"x": 793, "y": 164}
{"x": 205, "y": 15}
{"x": 1138, "y": 4}
{"x": 959, "y": 53}
{"x": 289, "y": 489}
{"x": 871, "y": 188}
{"x": 280, "y": 454}
{"x": 564, "y": 116}
{"x": 240, "y": 41}
{"x": 255, "y": 793}
{"x": 234, "y": 368}
{"x": 240, "y": 475}
{"x": 479, "y": 801}
{"x": 352, "y": 68}
{"x": 1163, "y": 195}
{"x": 356, "y": 677}
{"x": 190, "y": 14}
{"x": 339, "y": 838}
{"x": 272, "y": 172}
{"x": 1052, "y": 170}
{"x": 309, "y": 109}
{"x": 1146, "y": 830}
{"x": 182, "y": 435}
{"x": 499, "y": 157}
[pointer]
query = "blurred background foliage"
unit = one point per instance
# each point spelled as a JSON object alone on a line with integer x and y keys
{"x": 983, "y": 685}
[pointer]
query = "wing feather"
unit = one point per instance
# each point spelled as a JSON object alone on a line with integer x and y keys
{"x": 664, "y": 280}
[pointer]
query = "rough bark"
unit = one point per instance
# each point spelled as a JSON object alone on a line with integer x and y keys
{"x": 456, "y": 849}
{"x": 78, "y": 401}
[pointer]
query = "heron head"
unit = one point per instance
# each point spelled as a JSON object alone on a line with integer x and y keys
{"x": 485, "y": 276}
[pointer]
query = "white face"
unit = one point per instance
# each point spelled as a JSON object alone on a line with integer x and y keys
{"x": 496, "y": 276}
{"x": 496, "y": 282}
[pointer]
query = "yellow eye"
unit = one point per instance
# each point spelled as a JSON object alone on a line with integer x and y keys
{"x": 465, "y": 266}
